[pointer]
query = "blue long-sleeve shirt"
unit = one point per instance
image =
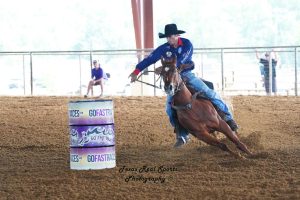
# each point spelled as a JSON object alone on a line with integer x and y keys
{"x": 97, "y": 73}
{"x": 183, "y": 52}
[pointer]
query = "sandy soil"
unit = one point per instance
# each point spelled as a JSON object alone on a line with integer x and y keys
{"x": 34, "y": 153}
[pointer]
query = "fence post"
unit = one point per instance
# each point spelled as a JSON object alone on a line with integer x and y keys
{"x": 270, "y": 74}
{"x": 222, "y": 68}
{"x": 80, "y": 89}
{"x": 296, "y": 76}
{"x": 24, "y": 75}
{"x": 31, "y": 75}
{"x": 201, "y": 65}
{"x": 91, "y": 61}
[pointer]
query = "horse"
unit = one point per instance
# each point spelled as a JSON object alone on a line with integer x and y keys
{"x": 197, "y": 115}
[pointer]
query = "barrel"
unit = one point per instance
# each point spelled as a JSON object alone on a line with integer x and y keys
{"x": 92, "y": 135}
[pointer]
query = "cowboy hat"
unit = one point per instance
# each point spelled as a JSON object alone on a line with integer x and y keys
{"x": 170, "y": 29}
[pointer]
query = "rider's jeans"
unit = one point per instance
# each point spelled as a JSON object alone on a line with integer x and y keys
{"x": 198, "y": 85}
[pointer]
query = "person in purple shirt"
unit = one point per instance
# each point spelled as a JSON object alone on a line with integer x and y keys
{"x": 97, "y": 78}
{"x": 182, "y": 48}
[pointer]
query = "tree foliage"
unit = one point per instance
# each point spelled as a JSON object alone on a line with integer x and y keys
{"x": 83, "y": 25}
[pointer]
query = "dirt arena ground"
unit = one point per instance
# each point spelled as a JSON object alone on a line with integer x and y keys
{"x": 34, "y": 153}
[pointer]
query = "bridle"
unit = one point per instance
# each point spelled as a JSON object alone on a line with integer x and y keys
{"x": 178, "y": 88}
{"x": 180, "y": 83}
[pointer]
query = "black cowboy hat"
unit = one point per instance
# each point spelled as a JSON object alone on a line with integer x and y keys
{"x": 170, "y": 29}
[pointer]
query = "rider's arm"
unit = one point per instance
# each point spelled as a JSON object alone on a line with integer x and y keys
{"x": 152, "y": 58}
{"x": 256, "y": 53}
{"x": 275, "y": 55}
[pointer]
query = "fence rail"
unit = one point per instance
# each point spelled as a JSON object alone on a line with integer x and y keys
{"x": 233, "y": 70}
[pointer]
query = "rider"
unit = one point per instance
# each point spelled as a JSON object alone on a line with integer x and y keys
{"x": 183, "y": 49}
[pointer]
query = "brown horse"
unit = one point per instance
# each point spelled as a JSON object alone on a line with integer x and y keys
{"x": 197, "y": 115}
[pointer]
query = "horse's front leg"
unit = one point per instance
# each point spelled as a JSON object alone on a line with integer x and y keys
{"x": 207, "y": 138}
{"x": 224, "y": 128}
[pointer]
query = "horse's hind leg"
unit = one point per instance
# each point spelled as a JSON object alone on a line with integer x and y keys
{"x": 224, "y": 128}
{"x": 207, "y": 138}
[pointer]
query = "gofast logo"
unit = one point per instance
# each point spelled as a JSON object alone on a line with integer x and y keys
{"x": 100, "y": 112}
{"x": 101, "y": 157}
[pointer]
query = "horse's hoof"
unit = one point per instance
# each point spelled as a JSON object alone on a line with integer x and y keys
{"x": 242, "y": 157}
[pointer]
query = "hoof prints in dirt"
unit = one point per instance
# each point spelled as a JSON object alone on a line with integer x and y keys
{"x": 34, "y": 153}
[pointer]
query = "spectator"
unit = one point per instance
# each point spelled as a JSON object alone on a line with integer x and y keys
{"x": 97, "y": 78}
{"x": 265, "y": 61}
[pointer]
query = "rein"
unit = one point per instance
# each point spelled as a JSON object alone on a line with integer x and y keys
{"x": 155, "y": 86}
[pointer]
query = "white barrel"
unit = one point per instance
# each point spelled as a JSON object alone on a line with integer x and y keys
{"x": 92, "y": 135}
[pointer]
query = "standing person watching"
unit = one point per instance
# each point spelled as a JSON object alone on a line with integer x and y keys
{"x": 265, "y": 61}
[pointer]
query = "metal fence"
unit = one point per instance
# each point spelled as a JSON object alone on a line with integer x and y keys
{"x": 233, "y": 70}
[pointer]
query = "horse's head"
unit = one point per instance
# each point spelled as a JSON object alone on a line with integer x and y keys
{"x": 170, "y": 75}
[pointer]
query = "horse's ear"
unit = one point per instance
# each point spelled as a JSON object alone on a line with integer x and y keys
{"x": 162, "y": 60}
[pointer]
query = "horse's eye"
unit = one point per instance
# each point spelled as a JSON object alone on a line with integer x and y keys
{"x": 167, "y": 69}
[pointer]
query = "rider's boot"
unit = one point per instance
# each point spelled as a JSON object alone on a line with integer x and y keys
{"x": 231, "y": 123}
{"x": 181, "y": 136}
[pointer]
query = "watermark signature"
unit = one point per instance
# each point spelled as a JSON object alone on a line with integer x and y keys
{"x": 147, "y": 174}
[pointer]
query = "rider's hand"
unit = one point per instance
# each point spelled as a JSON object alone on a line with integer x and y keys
{"x": 185, "y": 66}
{"x": 133, "y": 77}
{"x": 158, "y": 70}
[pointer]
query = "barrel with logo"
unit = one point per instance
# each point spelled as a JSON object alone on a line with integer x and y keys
{"x": 92, "y": 136}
